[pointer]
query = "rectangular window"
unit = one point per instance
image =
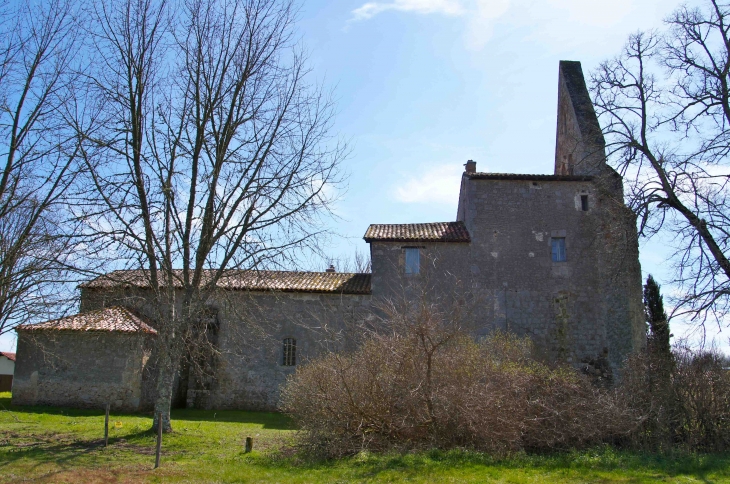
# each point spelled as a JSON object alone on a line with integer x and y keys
{"x": 558, "y": 249}
{"x": 413, "y": 260}
{"x": 290, "y": 352}
{"x": 584, "y": 202}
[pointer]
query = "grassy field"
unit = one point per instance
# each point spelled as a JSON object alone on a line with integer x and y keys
{"x": 43, "y": 444}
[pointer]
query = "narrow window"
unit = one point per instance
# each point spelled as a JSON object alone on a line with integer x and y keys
{"x": 558, "y": 246}
{"x": 584, "y": 202}
{"x": 290, "y": 352}
{"x": 413, "y": 260}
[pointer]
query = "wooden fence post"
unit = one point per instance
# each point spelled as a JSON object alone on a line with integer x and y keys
{"x": 106, "y": 426}
{"x": 249, "y": 445}
{"x": 159, "y": 439}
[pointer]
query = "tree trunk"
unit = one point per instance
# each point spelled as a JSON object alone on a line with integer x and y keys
{"x": 165, "y": 382}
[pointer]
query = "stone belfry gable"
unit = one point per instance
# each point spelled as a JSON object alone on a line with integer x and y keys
{"x": 579, "y": 145}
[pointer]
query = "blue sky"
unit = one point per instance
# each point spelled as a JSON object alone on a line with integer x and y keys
{"x": 424, "y": 85}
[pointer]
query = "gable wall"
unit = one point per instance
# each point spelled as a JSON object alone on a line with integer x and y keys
{"x": 80, "y": 369}
{"x": 579, "y": 144}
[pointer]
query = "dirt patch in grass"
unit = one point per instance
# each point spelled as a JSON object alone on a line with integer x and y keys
{"x": 102, "y": 476}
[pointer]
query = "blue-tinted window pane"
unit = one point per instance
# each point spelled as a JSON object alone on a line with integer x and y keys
{"x": 413, "y": 261}
{"x": 558, "y": 246}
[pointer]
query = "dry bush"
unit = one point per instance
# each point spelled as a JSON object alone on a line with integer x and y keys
{"x": 683, "y": 402}
{"x": 428, "y": 384}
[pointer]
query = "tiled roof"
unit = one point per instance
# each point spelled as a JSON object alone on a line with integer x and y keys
{"x": 525, "y": 176}
{"x": 10, "y": 356}
{"x": 431, "y": 232}
{"x": 285, "y": 281}
{"x": 108, "y": 319}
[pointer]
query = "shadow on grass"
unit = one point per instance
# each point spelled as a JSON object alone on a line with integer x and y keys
{"x": 66, "y": 452}
{"x": 267, "y": 420}
{"x": 5, "y": 404}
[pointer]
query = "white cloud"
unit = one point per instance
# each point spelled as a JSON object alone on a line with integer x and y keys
{"x": 554, "y": 21}
{"x": 591, "y": 13}
{"x": 480, "y": 25}
{"x": 439, "y": 184}
{"x": 444, "y": 7}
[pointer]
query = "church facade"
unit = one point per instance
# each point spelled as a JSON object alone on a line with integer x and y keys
{"x": 553, "y": 257}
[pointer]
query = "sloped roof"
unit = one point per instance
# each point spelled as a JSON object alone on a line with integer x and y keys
{"x": 10, "y": 356}
{"x": 429, "y": 232}
{"x": 526, "y": 176}
{"x": 115, "y": 318}
{"x": 285, "y": 281}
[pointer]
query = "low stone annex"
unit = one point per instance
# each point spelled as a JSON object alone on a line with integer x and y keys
{"x": 554, "y": 257}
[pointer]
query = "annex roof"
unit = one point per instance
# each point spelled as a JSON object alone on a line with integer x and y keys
{"x": 285, "y": 281}
{"x": 525, "y": 176}
{"x": 115, "y": 318}
{"x": 429, "y": 232}
{"x": 8, "y": 355}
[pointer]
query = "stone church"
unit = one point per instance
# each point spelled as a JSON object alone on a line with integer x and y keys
{"x": 554, "y": 257}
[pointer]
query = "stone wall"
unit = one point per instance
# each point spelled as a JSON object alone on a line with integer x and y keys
{"x": 241, "y": 366}
{"x": 137, "y": 298}
{"x": 579, "y": 144}
{"x": 249, "y": 367}
{"x": 584, "y": 308}
{"x": 81, "y": 369}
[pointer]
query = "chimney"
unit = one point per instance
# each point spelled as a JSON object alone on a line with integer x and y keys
{"x": 471, "y": 166}
{"x": 331, "y": 268}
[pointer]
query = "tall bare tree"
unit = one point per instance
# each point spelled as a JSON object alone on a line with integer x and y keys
{"x": 212, "y": 151}
{"x": 38, "y": 151}
{"x": 664, "y": 103}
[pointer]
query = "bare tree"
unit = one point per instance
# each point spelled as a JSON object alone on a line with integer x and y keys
{"x": 38, "y": 47}
{"x": 212, "y": 151}
{"x": 664, "y": 103}
{"x": 359, "y": 263}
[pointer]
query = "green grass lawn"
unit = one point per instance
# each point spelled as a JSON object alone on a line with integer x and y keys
{"x": 44, "y": 444}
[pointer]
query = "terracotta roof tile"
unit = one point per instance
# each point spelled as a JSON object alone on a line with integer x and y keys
{"x": 526, "y": 176}
{"x": 429, "y": 232}
{"x": 285, "y": 281}
{"x": 10, "y": 356}
{"x": 108, "y": 319}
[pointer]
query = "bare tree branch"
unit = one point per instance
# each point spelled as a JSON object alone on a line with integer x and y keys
{"x": 216, "y": 155}
{"x": 665, "y": 106}
{"x": 38, "y": 49}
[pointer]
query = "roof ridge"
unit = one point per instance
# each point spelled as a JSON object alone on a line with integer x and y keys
{"x": 256, "y": 280}
{"x": 283, "y": 271}
{"x": 527, "y": 176}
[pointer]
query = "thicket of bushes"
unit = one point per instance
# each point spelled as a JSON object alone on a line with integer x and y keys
{"x": 425, "y": 384}
{"x": 683, "y": 400}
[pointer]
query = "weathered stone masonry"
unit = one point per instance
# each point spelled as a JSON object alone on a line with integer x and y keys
{"x": 582, "y": 306}
{"x": 85, "y": 368}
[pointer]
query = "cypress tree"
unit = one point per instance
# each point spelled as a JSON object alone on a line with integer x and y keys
{"x": 658, "y": 338}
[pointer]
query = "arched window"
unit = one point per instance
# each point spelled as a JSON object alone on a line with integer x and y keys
{"x": 290, "y": 352}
